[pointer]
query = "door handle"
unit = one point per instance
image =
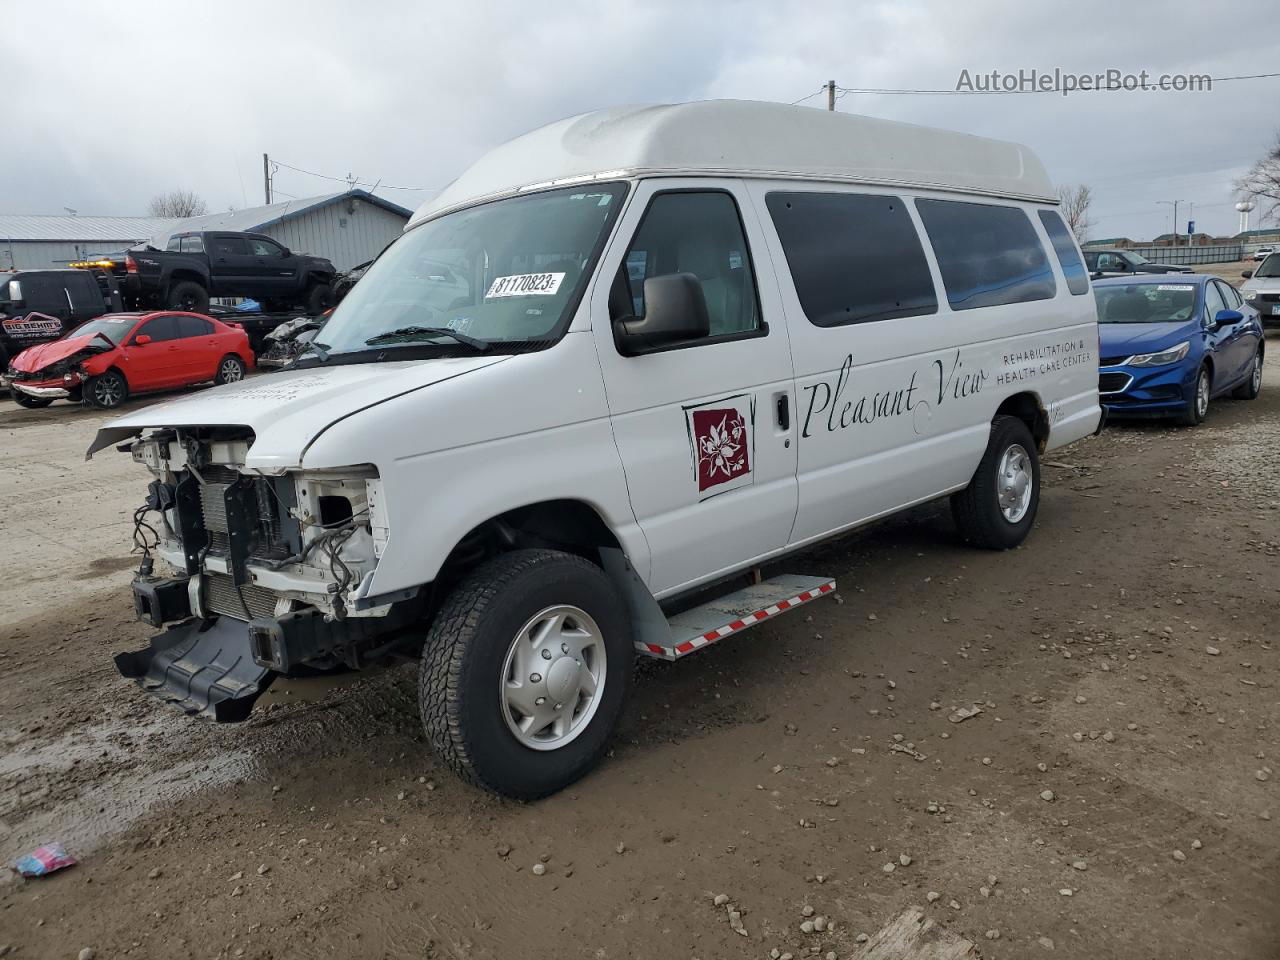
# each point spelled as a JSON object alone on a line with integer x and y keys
{"x": 784, "y": 411}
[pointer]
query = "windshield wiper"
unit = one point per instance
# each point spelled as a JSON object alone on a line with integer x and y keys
{"x": 319, "y": 349}
{"x": 414, "y": 333}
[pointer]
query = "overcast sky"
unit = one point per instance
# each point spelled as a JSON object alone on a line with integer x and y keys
{"x": 109, "y": 104}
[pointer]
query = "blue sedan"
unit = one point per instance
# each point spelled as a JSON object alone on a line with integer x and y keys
{"x": 1169, "y": 345}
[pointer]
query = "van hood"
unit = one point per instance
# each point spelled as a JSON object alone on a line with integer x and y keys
{"x": 287, "y": 411}
{"x": 35, "y": 359}
{"x": 1256, "y": 285}
{"x": 1127, "y": 339}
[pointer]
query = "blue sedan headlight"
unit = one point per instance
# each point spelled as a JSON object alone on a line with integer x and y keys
{"x": 1163, "y": 358}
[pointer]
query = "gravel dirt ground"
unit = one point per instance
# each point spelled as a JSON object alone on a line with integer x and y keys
{"x": 1115, "y": 797}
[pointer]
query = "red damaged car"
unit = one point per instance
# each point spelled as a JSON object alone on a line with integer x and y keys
{"x": 107, "y": 359}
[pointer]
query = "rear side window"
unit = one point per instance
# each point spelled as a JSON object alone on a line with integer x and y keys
{"x": 988, "y": 255}
{"x": 192, "y": 245}
{"x": 86, "y": 298}
{"x": 854, "y": 258}
{"x": 1065, "y": 248}
{"x": 193, "y": 327}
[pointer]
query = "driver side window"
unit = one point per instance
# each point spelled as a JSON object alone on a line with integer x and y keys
{"x": 1213, "y": 301}
{"x": 699, "y": 233}
{"x": 159, "y": 328}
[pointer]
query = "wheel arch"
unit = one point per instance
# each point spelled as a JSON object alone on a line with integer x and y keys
{"x": 184, "y": 275}
{"x": 1026, "y": 406}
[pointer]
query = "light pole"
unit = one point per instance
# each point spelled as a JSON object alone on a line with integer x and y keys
{"x": 1174, "y": 232}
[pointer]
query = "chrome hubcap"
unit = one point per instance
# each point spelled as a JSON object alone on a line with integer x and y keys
{"x": 1202, "y": 394}
{"x": 553, "y": 678}
{"x": 230, "y": 371}
{"x": 1013, "y": 483}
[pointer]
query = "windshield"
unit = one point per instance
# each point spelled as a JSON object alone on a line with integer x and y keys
{"x": 1136, "y": 259}
{"x": 1145, "y": 302}
{"x": 115, "y": 327}
{"x": 508, "y": 271}
{"x": 1269, "y": 267}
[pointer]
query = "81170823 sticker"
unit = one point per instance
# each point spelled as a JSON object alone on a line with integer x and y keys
{"x": 722, "y": 443}
{"x": 525, "y": 285}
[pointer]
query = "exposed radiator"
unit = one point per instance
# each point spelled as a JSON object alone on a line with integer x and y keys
{"x": 220, "y": 597}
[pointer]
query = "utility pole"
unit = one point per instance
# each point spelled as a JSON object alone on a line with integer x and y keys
{"x": 266, "y": 178}
{"x": 1174, "y": 232}
{"x": 831, "y": 94}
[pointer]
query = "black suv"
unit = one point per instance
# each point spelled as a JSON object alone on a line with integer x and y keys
{"x": 37, "y": 306}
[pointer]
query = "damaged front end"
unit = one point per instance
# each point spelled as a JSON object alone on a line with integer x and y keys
{"x": 263, "y": 575}
{"x": 62, "y": 378}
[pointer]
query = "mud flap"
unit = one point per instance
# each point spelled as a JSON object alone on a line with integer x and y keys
{"x": 205, "y": 668}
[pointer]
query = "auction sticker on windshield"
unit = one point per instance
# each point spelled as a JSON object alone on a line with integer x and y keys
{"x": 1175, "y": 287}
{"x": 524, "y": 285}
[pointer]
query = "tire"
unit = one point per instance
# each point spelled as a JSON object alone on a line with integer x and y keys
{"x": 1250, "y": 389}
{"x": 471, "y": 672}
{"x": 1197, "y": 406}
{"x": 319, "y": 299}
{"x": 231, "y": 369}
{"x": 1010, "y": 468}
{"x": 30, "y": 402}
{"x": 188, "y": 295}
{"x": 107, "y": 390}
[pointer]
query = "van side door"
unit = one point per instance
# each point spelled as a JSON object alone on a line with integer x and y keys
{"x": 705, "y": 427}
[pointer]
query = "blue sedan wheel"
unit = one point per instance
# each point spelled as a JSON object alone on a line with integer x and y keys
{"x": 1250, "y": 389}
{"x": 1198, "y": 405}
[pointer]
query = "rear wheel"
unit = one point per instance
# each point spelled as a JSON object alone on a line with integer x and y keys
{"x": 230, "y": 370}
{"x": 999, "y": 506}
{"x": 188, "y": 295}
{"x": 30, "y": 402}
{"x": 1250, "y": 389}
{"x": 1198, "y": 403}
{"x": 525, "y": 671}
{"x": 106, "y": 391}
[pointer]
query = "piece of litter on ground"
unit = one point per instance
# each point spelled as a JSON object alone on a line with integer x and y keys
{"x": 964, "y": 713}
{"x": 43, "y": 860}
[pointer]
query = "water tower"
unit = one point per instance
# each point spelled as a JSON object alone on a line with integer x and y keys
{"x": 1244, "y": 206}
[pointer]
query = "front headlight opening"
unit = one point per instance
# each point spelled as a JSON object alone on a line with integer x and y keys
{"x": 1163, "y": 358}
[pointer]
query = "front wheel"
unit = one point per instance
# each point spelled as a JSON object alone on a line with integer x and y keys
{"x": 319, "y": 299}
{"x": 999, "y": 506}
{"x": 230, "y": 370}
{"x": 1198, "y": 404}
{"x": 30, "y": 402}
{"x": 1250, "y": 389}
{"x": 106, "y": 391}
{"x": 524, "y": 672}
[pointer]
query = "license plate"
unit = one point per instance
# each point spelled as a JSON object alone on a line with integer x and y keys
{"x": 1275, "y": 310}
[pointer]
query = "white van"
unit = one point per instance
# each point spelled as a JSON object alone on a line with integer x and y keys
{"x": 626, "y": 360}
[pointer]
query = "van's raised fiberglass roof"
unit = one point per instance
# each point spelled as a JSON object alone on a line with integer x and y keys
{"x": 746, "y": 138}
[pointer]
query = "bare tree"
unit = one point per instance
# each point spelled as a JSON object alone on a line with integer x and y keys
{"x": 1075, "y": 208}
{"x": 1262, "y": 183}
{"x": 177, "y": 204}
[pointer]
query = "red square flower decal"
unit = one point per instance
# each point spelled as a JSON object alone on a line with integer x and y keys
{"x": 720, "y": 440}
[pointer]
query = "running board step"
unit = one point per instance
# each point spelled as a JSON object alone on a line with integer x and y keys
{"x": 735, "y": 612}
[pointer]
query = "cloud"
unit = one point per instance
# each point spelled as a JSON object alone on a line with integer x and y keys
{"x": 184, "y": 96}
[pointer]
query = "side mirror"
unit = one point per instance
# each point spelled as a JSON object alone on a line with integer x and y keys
{"x": 1225, "y": 318}
{"x": 675, "y": 310}
{"x": 287, "y": 252}
{"x": 141, "y": 340}
{"x": 1247, "y": 274}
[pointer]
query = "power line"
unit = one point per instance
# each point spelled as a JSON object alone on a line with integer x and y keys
{"x": 349, "y": 180}
{"x": 822, "y": 89}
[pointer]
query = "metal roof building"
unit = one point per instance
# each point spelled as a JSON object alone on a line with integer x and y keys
{"x": 348, "y": 227}
{"x": 29, "y": 242}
